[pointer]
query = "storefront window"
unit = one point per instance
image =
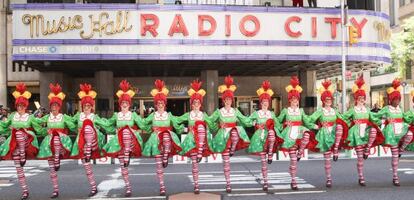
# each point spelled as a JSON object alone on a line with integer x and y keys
{"x": 379, "y": 98}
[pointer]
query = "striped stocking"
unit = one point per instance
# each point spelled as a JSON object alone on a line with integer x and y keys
{"x": 21, "y": 139}
{"x": 125, "y": 176}
{"x": 90, "y": 142}
{"x": 338, "y": 136}
{"x": 292, "y": 167}
{"x": 406, "y": 141}
{"x": 327, "y": 156}
{"x": 234, "y": 136}
{"x": 57, "y": 146}
{"x": 201, "y": 139}
{"x": 360, "y": 164}
{"x": 264, "y": 170}
{"x": 271, "y": 137}
{"x": 166, "y": 141}
{"x": 226, "y": 163}
{"x": 160, "y": 173}
{"x": 20, "y": 173}
{"x": 89, "y": 174}
{"x": 371, "y": 139}
{"x": 195, "y": 171}
{"x": 128, "y": 145}
{"x": 394, "y": 164}
{"x": 303, "y": 143}
{"x": 53, "y": 174}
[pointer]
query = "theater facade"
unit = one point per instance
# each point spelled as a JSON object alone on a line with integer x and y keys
{"x": 102, "y": 44}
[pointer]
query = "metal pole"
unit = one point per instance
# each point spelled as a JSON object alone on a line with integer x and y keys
{"x": 343, "y": 33}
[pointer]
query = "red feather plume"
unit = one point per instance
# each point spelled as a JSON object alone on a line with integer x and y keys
{"x": 266, "y": 85}
{"x": 228, "y": 81}
{"x": 55, "y": 88}
{"x": 326, "y": 83}
{"x": 294, "y": 81}
{"x": 196, "y": 85}
{"x": 21, "y": 87}
{"x": 360, "y": 81}
{"x": 85, "y": 87}
{"x": 124, "y": 85}
{"x": 396, "y": 83}
{"x": 159, "y": 84}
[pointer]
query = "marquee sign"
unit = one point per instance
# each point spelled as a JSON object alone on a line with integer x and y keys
{"x": 99, "y": 32}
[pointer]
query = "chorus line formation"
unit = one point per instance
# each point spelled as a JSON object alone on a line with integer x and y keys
{"x": 326, "y": 131}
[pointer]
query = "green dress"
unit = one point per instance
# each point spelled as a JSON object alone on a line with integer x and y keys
{"x": 56, "y": 126}
{"x": 259, "y": 139}
{"x": 296, "y": 122}
{"x": 326, "y": 134}
{"x": 77, "y": 149}
{"x": 190, "y": 145}
{"x": 228, "y": 120}
{"x": 156, "y": 124}
{"x": 409, "y": 117}
{"x": 395, "y": 127}
{"x": 25, "y": 123}
{"x": 362, "y": 121}
{"x": 122, "y": 121}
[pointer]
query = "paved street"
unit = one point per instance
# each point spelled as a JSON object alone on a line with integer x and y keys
{"x": 246, "y": 179}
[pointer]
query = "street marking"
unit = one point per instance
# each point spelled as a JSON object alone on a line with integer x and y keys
{"x": 300, "y": 192}
{"x": 190, "y": 173}
{"x": 248, "y": 194}
{"x": 106, "y": 186}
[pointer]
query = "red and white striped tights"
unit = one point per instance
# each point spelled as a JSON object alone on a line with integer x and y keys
{"x": 327, "y": 155}
{"x": 271, "y": 138}
{"x": 234, "y": 138}
{"x": 304, "y": 142}
{"x": 19, "y": 157}
{"x": 124, "y": 158}
{"x": 396, "y": 153}
{"x": 91, "y": 144}
{"x": 54, "y": 163}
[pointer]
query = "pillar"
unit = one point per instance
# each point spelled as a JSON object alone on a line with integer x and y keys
{"x": 64, "y": 81}
{"x": 308, "y": 95}
{"x": 3, "y": 56}
{"x": 104, "y": 86}
{"x": 210, "y": 83}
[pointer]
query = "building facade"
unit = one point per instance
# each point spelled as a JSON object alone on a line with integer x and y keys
{"x": 140, "y": 41}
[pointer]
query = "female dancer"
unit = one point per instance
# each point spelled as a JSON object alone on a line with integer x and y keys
{"x": 199, "y": 141}
{"x": 90, "y": 140}
{"x": 163, "y": 142}
{"x": 22, "y": 142}
{"x": 331, "y": 132}
{"x": 57, "y": 144}
{"x": 396, "y": 132}
{"x": 363, "y": 132}
{"x": 295, "y": 134}
{"x": 127, "y": 142}
{"x": 231, "y": 136}
{"x": 265, "y": 140}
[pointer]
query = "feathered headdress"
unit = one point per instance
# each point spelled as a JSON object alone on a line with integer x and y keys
{"x": 195, "y": 92}
{"x": 56, "y": 95}
{"x": 160, "y": 92}
{"x": 294, "y": 88}
{"x": 394, "y": 92}
{"x": 21, "y": 95}
{"x": 227, "y": 89}
{"x": 86, "y": 94}
{"x": 359, "y": 88}
{"x": 326, "y": 90}
{"x": 265, "y": 92}
{"x": 125, "y": 93}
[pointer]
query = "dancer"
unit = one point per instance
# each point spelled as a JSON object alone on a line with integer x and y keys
{"x": 57, "y": 144}
{"x": 295, "y": 133}
{"x": 22, "y": 143}
{"x": 363, "y": 133}
{"x": 265, "y": 140}
{"x": 89, "y": 141}
{"x": 163, "y": 142}
{"x": 231, "y": 136}
{"x": 199, "y": 141}
{"x": 331, "y": 132}
{"x": 396, "y": 132}
{"x": 127, "y": 141}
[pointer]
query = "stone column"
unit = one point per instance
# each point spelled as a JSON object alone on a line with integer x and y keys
{"x": 104, "y": 86}
{"x": 55, "y": 77}
{"x": 3, "y": 56}
{"x": 308, "y": 83}
{"x": 210, "y": 83}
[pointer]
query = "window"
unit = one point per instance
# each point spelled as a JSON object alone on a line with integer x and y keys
{"x": 361, "y": 4}
{"x": 378, "y": 5}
